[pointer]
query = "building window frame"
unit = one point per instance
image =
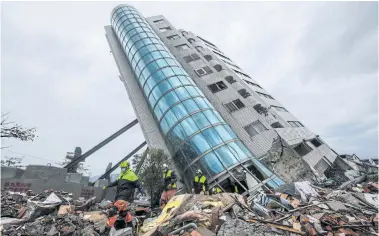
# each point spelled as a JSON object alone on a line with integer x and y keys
{"x": 182, "y": 47}
{"x": 278, "y": 108}
{"x": 173, "y": 37}
{"x": 217, "y": 87}
{"x": 255, "y": 128}
{"x": 191, "y": 57}
{"x": 234, "y": 105}
{"x": 165, "y": 29}
{"x": 244, "y": 93}
{"x": 203, "y": 71}
{"x": 295, "y": 124}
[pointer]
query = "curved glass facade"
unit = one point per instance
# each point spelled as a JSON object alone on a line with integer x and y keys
{"x": 195, "y": 133}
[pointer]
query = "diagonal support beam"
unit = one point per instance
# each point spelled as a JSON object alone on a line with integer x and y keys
{"x": 100, "y": 145}
{"x": 118, "y": 163}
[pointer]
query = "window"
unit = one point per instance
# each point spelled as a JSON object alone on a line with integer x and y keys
{"x": 208, "y": 57}
{"x": 203, "y": 71}
{"x": 230, "y": 79}
{"x": 264, "y": 95}
{"x": 199, "y": 48}
{"x": 240, "y": 73}
{"x": 255, "y": 128}
{"x": 182, "y": 47}
{"x": 253, "y": 84}
{"x": 158, "y": 21}
{"x": 321, "y": 166}
{"x": 191, "y": 40}
{"x": 234, "y": 105}
{"x": 184, "y": 33}
{"x": 244, "y": 93}
{"x": 164, "y": 29}
{"x": 217, "y": 87}
{"x": 218, "y": 67}
{"x": 173, "y": 37}
{"x": 280, "y": 108}
{"x": 295, "y": 124}
{"x": 316, "y": 142}
{"x": 276, "y": 125}
{"x": 192, "y": 57}
{"x": 302, "y": 149}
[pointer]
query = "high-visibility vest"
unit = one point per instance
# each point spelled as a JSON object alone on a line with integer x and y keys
{"x": 128, "y": 175}
{"x": 216, "y": 189}
{"x": 167, "y": 175}
{"x": 235, "y": 189}
{"x": 201, "y": 180}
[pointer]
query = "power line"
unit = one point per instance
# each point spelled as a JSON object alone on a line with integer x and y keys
{"x": 27, "y": 155}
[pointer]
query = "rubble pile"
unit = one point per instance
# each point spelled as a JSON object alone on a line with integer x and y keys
{"x": 298, "y": 208}
{"x": 51, "y": 213}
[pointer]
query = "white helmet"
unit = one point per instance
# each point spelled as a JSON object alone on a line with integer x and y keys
{"x": 165, "y": 167}
{"x": 199, "y": 172}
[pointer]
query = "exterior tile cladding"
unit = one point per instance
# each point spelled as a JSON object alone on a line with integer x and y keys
{"x": 196, "y": 135}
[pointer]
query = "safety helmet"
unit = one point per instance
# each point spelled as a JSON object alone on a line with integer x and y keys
{"x": 165, "y": 167}
{"x": 125, "y": 164}
{"x": 198, "y": 172}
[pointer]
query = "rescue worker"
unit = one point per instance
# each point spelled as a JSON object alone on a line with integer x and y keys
{"x": 215, "y": 190}
{"x": 200, "y": 183}
{"x": 126, "y": 182}
{"x": 169, "y": 188}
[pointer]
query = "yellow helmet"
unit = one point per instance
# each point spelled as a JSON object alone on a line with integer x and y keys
{"x": 125, "y": 164}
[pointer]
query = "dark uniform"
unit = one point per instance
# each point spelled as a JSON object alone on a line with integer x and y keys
{"x": 126, "y": 183}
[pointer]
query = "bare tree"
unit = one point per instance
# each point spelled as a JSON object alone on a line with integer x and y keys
{"x": 16, "y": 131}
{"x": 82, "y": 169}
{"x": 15, "y": 162}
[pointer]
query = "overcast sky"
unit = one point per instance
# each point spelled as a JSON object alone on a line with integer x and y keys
{"x": 320, "y": 60}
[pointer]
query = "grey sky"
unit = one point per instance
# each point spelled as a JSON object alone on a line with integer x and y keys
{"x": 320, "y": 60}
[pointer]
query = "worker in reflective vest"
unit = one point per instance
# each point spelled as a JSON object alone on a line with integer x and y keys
{"x": 215, "y": 190}
{"x": 200, "y": 183}
{"x": 126, "y": 182}
{"x": 169, "y": 190}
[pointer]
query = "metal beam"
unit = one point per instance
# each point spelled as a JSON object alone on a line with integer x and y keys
{"x": 118, "y": 163}
{"x": 100, "y": 145}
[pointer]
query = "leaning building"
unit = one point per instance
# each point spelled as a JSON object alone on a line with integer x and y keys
{"x": 195, "y": 103}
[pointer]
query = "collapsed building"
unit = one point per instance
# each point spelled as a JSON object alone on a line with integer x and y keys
{"x": 195, "y": 103}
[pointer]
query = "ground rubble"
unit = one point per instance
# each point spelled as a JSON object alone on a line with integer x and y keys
{"x": 299, "y": 208}
{"x": 51, "y": 213}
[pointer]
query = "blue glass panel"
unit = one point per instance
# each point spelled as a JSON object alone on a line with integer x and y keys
{"x": 184, "y": 80}
{"x": 199, "y": 143}
{"x": 201, "y": 103}
{"x": 163, "y": 104}
{"x": 237, "y": 151}
{"x": 189, "y": 126}
{"x": 200, "y": 120}
{"x": 231, "y": 133}
{"x": 211, "y": 163}
{"x": 168, "y": 72}
{"x": 211, "y": 116}
{"x": 262, "y": 168}
{"x": 170, "y": 118}
{"x": 152, "y": 100}
{"x": 244, "y": 149}
{"x": 224, "y": 134}
{"x": 225, "y": 156}
{"x": 158, "y": 112}
{"x": 213, "y": 138}
{"x": 192, "y": 91}
{"x": 190, "y": 106}
{"x": 161, "y": 88}
{"x": 179, "y": 111}
{"x": 182, "y": 93}
{"x": 179, "y": 132}
{"x": 171, "y": 98}
{"x": 175, "y": 82}
{"x": 164, "y": 126}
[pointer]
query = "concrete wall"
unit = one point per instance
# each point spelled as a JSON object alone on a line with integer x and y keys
{"x": 11, "y": 173}
{"x": 38, "y": 185}
{"x": 44, "y": 172}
